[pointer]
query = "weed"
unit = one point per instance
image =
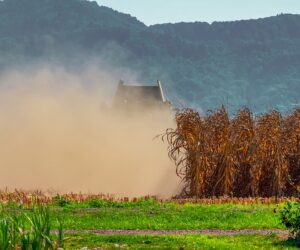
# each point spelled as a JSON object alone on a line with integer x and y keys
{"x": 15, "y": 235}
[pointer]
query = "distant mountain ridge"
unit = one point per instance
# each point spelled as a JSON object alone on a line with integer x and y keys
{"x": 253, "y": 63}
{"x": 284, "y": 24}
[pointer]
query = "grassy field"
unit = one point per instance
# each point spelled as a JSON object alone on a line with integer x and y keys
{"x": 150, "y": 214}
{"x": 178, "y": 242}
{"x": 171, "y": 216}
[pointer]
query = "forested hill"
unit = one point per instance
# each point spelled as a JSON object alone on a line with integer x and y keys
{"x": 262, "y": 29}
{"x": 253, "y": 63}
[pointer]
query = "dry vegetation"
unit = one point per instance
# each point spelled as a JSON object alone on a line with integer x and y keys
{"x": 241, "y": 156}
{"x": 28, "y": 198}
{"x": 32, "y": 197}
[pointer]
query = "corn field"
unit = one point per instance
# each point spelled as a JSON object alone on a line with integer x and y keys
{"x": 243, "y": 156}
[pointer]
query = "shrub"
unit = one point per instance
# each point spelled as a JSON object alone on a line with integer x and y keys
{"x": 61, "y": 201}
{"x": 290, "y": 217}
{"x": 97, "y": 203}
{"x": 146, "y": 202}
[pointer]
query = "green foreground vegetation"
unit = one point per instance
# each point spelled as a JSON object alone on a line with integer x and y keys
{"x": 178, "y": 242}
{"x": 150, "y": 214}
{"x": 171, "y": 216}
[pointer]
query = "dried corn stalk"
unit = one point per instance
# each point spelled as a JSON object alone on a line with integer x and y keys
{"x": 243, "y": 156}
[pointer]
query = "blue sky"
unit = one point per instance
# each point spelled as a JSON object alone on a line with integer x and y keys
{"x": 163, "y": 11}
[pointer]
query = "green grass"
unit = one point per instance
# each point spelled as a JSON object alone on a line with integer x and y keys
{"x": 153, "y": 215}
{"x": 173, "y": 217}
{"x": 177, "y": 242}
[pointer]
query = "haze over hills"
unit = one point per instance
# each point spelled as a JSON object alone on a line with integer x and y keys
{"x": 254, "y": 63}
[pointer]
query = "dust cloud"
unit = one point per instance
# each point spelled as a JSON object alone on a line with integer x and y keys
{"x": 56, "y": 134}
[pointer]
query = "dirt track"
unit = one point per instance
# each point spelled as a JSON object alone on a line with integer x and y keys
{"x": 180, "y": 232}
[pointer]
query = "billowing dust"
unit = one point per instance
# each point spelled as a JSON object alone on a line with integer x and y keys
{"x": 57, "y": 134}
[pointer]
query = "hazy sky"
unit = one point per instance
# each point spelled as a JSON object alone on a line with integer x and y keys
{"x": 162, "y": 11}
